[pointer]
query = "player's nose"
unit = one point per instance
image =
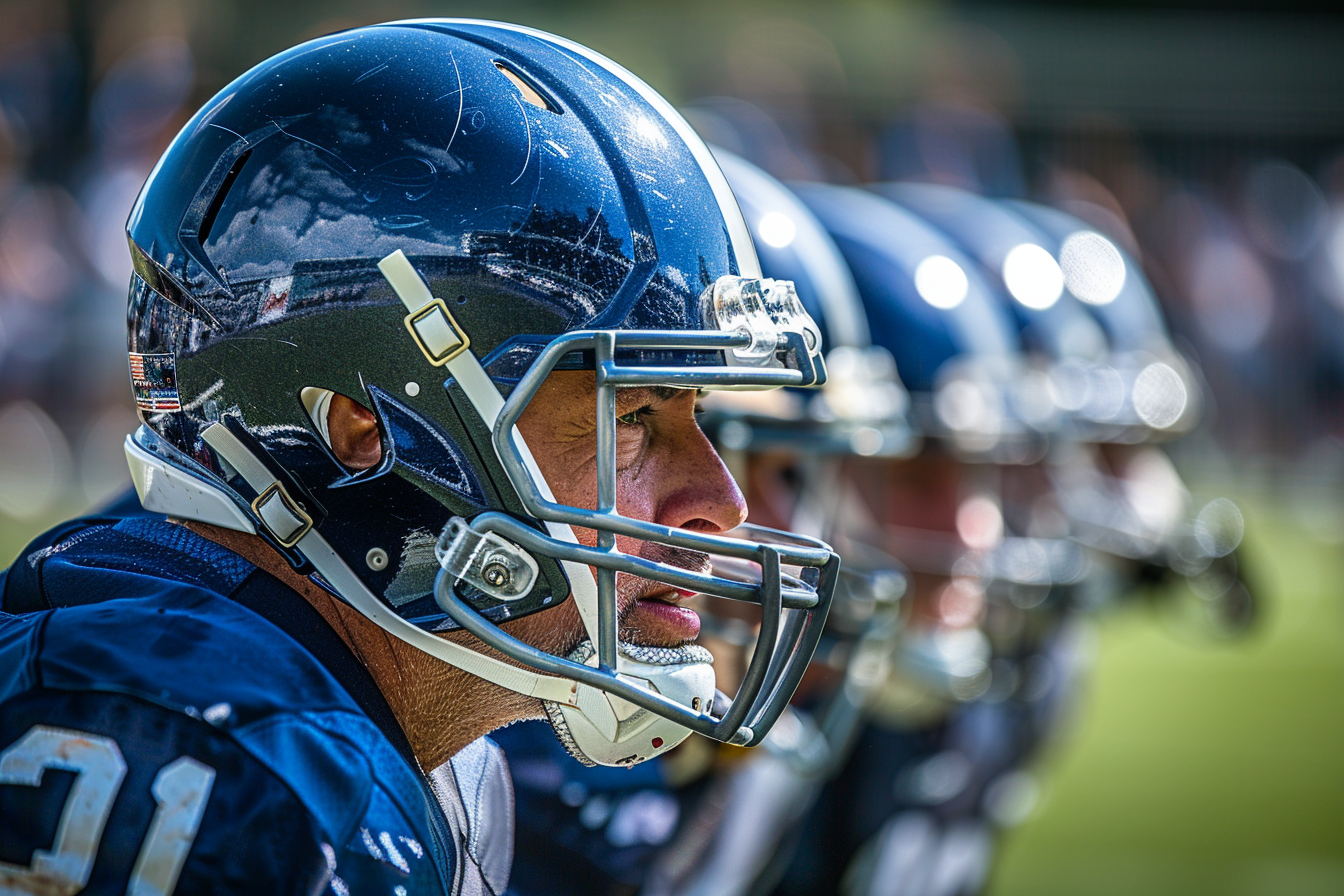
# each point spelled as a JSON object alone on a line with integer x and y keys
{"x": 699, "y": 493}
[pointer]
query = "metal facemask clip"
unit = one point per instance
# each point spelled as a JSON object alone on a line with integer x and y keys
{"x": 486, "y": 561}
{"x": 769, "y": 313}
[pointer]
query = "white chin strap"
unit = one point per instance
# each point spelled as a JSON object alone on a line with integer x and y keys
{"x": 603, "y": 729}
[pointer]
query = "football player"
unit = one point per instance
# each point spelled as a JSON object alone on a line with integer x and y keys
{"x": 418, "y": 323}
{"x": 1123, "y": 495}
{"x": 1118, "y": 387}
{"x": 702, "y": 819}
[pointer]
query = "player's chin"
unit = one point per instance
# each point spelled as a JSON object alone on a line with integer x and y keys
{"x": 660, "y": 621}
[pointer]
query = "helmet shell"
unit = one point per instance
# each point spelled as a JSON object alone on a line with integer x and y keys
{"x": 884, "y": 246}
{"x": 956, "y": 348}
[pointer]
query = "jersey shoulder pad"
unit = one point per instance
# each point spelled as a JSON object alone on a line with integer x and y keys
{"x": 96, "y": 559}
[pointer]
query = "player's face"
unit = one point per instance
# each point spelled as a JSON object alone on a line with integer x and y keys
{"x": 929, "y": 513}
{"x": 667, "y": 472}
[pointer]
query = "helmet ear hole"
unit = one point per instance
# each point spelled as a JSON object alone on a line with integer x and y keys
{"x": 348, "y": 428}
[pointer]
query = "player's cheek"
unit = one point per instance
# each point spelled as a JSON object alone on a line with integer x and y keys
{"x": 636, "y": 485}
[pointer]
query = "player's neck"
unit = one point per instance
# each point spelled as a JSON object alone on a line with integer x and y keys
{"x": 440, "y": 708}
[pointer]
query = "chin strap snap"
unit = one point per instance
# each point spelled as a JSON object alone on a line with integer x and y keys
{"x": 282, "y": 516}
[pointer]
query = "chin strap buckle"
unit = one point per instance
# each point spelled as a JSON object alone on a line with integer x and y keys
{"x": 282, "y": 516}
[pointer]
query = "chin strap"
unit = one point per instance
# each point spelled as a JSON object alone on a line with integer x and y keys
{"x": 467, "y": 372}
{"x": 565, "y": 735}
{"x": 287, "y": 522}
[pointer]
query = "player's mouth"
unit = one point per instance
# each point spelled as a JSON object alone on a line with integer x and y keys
{"x": 659, "y": 620}
{"x": 658, "y": 617}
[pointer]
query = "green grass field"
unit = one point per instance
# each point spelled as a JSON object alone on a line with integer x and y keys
{"x": 1193, "y": 766}
{"x": 1204, "y": 767}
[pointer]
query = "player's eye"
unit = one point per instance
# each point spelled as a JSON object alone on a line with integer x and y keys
{"x": 635, "y": 418}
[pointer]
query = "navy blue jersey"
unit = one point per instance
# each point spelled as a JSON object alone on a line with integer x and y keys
{"x": 174, "y": 719}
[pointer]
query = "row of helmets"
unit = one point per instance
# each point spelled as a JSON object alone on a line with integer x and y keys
{"x": 986, "y": 457}
{"x": 997, "y": 335}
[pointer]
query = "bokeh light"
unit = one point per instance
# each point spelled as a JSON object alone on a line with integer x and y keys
{"x": 941, "y": 282}
{"x": 1219, "y": 527}
{"x": 1033, "y": 276}
{"x": 776, "y": 229}
{"x": 1093, "y": 269}
{"x": 980, "y": 522}
{"x": 1160, "y": 396}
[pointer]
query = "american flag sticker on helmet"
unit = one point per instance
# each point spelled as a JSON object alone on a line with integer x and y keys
{"x": 154, "y": 380}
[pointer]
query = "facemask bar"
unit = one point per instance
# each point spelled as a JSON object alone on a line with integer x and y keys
{"x": 793, "y": 607}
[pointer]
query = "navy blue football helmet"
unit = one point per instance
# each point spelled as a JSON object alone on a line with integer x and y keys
{"x": 429, "y": 217}
{"x": 956, "y": 351}
{"x": 1162, "y": 395}
{"x": 1119, "y": 488}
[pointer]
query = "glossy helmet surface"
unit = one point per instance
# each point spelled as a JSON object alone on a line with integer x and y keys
{"x": 1012, "y": 255}
{"x": 956, "y": 349}
{"x": 1086, "y": 317}
{"x": 430, "y": 216}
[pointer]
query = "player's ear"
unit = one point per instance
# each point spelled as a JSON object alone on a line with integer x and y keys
{"x": 348, "y": 428}
{"x": 353, "y": 431}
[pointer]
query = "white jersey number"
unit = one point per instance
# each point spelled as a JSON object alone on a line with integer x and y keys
{"x": 180, "y": 791}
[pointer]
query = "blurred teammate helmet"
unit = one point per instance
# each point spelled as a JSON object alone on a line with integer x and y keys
{"x": 1163, "y": 394}
{"x": 1086, "y": 317}
{"x": 957, "y": 351}
{"x": 1128, "y": 499}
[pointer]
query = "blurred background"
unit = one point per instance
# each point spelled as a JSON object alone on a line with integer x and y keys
{"x": 1207, "y": 138}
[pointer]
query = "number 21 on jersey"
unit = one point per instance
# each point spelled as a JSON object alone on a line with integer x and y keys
{"x": 180, "y": 790}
